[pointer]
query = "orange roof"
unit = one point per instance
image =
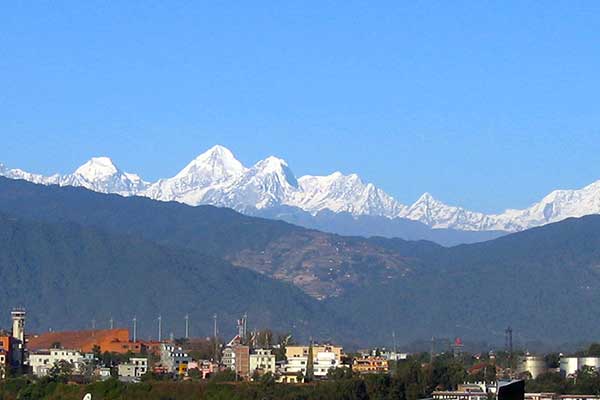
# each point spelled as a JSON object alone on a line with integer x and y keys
{"x": 80, "y": 340}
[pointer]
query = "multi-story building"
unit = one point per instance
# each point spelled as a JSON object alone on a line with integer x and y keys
{"x": 262, "y": 361}
{"x": 42, "y": 361}
{"x": 370, "y": 365}
{"x": 173, "y": 359}
{"x": 237, "y": 358}
{"x": 325, "y": 358}
{"x": 134, "y": 369}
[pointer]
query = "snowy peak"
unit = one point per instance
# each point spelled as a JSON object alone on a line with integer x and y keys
{"x": 100, "y": 174}
{"x": 216, "y": 177}
{"x": 97, "y": 168}
{"x": 213, "y": 165}
{"x": 345, "y": 193}
{"x": 277, "y": 169}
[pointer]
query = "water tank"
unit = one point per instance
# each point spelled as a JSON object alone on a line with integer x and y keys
{"x": 535, "y": 365}
{"x": 593, "y": 362}
{"x": 568, "y": 365}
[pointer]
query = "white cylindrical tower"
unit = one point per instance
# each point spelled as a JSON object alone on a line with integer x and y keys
{"x": 18, "y": 320}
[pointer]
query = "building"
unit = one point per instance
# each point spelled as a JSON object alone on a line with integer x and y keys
{"x": 5, "y": 354}
{"x": 289, "y": 377}
{"x": 205, "y": 367}
{"x": 17, "y": 340}
{"x": 42, "y": 361}
{"x": 370, "y": 365}
{"x": 173, "y": 359}
{"x": 325, "y": 357}
{"x": 532, "y": 365}
{"x": 111, "y": 340}
{"x": 236, "y": 357}
{"x": 262, "y": 361}
{"x": 134, "y": 369}
{"x": 570, "y": 365}
{"x": 459, "y": 395}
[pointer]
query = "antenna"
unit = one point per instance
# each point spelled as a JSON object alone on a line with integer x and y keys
{"x": 215, "y": 335}
{"x": 134, "y": 329}
{"x": 187, "y": 326}
{"x": 159, "y": 328}
{"x": 509, "y": 344}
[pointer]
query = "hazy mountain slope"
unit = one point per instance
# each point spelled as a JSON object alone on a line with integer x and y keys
{"x": 346, "y": 224}
{"x": 319, "y": 263}
{"x": 538, "y": 281}
{"x": 67, "y": 275}
{"x": 542, "y": 282}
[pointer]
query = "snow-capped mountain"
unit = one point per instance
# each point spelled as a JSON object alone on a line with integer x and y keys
{"x": 98, "y": 174}
{"x": 345, "y": 193}
{"x": 216, "y": 177}
{"x": 268, "y": 183}
{"x": 215, "y": 166}
{"x": 101, "y": 175}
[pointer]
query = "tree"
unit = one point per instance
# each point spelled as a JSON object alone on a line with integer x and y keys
{"x": 61, "y": 370}
{"x": 310, "y": 367}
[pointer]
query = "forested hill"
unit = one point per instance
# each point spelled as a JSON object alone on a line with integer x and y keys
{"x": 542, "y": 282}
{"x": 67, "y": 275}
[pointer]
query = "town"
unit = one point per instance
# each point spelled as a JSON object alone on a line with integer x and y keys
{"x": 257, "y": 357}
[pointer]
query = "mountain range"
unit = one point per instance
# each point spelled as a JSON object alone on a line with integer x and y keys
{"x": 93, "y": 255}
{"x": 270, "y": 189}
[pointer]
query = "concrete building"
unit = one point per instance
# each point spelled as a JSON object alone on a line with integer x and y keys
{"x": 532, "y": 365}
{"x": 262, "y": 361}
{"x": 325, "y": 357}
{"x": 173, "y": 359}
{"x": 134, "y": 369}
{"x": 17, "y": 344}
{"x": 237, "y": 358}
{"x": 43, "y": 360}
{"x": 570, "y": 365}
{"x": 370, "y": 365}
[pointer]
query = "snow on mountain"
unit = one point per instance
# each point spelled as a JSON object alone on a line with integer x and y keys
{"x": 436, "y": 214}
{"x": 216, "y": 177}
{"x": 35, "y": 178}
{"x": 344, "y": 193}
{"x": 211, "y": 168}
{"x": 268, "y": 183}
{"x": 556, "y": 206}
{"x": 100, "y": 174}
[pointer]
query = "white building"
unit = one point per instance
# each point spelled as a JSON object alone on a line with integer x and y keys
{"x": 42, "y": 361}
{"x": 263, "y": 361}
{"x": 173, "y": 358}
{"x": 324, "y": 361}
{"x": 570, "y": 365}
{"x": 324, "y": 358}
{"x": 135, "y": 368}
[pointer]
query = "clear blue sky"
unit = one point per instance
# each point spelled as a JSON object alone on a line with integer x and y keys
{"x": 486, "y": 105}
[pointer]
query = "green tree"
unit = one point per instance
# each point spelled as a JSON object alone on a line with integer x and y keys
{"x": 310, "y": 367}
{"x": 61, "y": 370}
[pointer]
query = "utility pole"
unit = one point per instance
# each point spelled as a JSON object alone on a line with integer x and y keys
{"x": 187, "y": 326}
{"x": 509, "y": 345}
{"x": 134, "y": 329}
{"x": 159, "y": 328}
{"x": 215, "y": 336}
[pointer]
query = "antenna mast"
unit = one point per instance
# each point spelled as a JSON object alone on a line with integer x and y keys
{"x": 134, "y": 329}
{"x": 187, "y": 326}
{"x": 159, "y": 328}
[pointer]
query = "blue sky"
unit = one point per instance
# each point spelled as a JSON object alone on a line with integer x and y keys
{"x": 487, "y": 105}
